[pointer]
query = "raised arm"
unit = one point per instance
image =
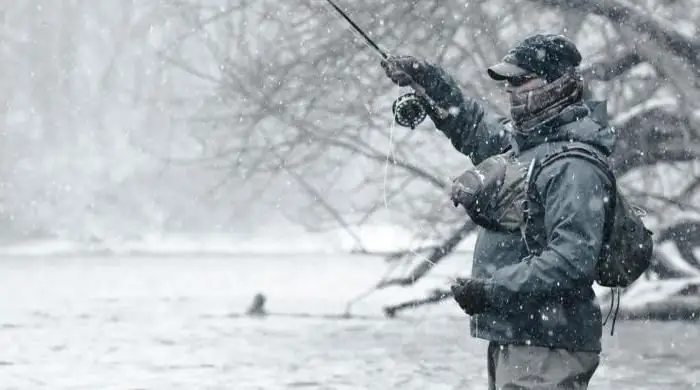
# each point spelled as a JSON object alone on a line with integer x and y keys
{"x": 468, "y": 127}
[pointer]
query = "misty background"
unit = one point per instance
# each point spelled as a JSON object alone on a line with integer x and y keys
{"x": 102, "y": 134}
{"x": 133, "y": 118}
{"x": 154, "y": 145}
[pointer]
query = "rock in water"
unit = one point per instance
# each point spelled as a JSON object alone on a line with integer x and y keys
{"x": 257, "y": 307}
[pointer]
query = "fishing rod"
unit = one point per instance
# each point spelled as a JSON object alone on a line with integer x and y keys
{"x": 357, "y": 29}
{"x": 408, "y": 109}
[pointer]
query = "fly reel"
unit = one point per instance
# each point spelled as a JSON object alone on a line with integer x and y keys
{"x": 409, "y": 110}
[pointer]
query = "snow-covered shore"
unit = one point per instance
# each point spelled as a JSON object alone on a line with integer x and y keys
{"x": 376, "y": 239}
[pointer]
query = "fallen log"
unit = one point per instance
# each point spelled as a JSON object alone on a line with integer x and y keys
{"x": 435, "y": 297}
{"x": 669, "y": 309}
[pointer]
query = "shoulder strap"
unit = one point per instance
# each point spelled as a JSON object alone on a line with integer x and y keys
{"x": 582, "y": 151}
{"x": 576, "y": 150}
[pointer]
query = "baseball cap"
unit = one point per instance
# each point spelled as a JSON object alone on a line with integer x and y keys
{"x": 547, "y": 55}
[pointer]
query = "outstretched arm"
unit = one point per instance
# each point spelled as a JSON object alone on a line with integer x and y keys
{"x": 470, "y": 130}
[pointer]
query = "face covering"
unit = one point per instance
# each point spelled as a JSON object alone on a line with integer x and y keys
{"x": 532, "y": 106}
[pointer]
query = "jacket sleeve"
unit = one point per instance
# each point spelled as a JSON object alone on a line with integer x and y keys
{"x": 574, "y": 195}
{"x": 469, "y": 128}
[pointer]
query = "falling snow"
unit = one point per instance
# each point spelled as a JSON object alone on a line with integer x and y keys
{"x": 164, "y": 161}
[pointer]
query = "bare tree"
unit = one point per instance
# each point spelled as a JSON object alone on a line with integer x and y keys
{"x": 292, "y": 90}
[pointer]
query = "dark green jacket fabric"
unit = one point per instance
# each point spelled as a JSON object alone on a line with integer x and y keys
{"x": 545, "y": 299}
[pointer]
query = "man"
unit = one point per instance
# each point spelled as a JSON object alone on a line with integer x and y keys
{"x": 533, "y": 301}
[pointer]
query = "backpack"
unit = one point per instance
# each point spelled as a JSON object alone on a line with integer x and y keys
{"x": 497, "y": 195}
{"x": 626, "y": 253}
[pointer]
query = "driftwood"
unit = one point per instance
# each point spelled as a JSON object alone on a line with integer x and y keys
{"x": 436, "y": 297}
{"x": 671, "y": 309}
{"x": 684, "y": 234}
{"x": 436, "y": 254}
{"x": 681, "y": 308}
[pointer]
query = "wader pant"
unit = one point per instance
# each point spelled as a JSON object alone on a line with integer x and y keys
{"x": 522, "y": 367}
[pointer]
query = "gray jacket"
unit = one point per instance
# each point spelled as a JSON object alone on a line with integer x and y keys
{"x": 545, "y": 299}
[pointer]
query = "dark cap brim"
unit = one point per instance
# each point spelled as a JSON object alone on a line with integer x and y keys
{"x": 504, "y": 71}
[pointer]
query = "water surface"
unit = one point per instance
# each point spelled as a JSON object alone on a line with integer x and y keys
{"x": 160, "y": 323}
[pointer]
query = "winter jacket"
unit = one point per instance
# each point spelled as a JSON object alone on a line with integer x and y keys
{"x": 545, "y": 299}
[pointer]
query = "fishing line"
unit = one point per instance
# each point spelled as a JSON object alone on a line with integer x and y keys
{"x": 357, "y": 31}
{"x": 390, "y": 155}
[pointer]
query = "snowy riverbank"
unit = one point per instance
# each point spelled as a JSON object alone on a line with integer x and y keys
{"x": 659, "y": 299}
{"x": 377, "y": 239}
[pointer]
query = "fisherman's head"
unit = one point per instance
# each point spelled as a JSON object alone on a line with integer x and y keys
{"x": 541, "y": 75}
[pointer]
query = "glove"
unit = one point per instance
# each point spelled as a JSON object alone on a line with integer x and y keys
{"x": 470, "y": 295}
{"x": 466, "y": 188}
{"x": 403, "y": 70}
{"x": 437, "y": 84}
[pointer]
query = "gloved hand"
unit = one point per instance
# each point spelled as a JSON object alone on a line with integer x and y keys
{"x": 470, "y": 295}
{"x": 403, "y": 70}
{"x": 436, "y": 84}
{"x": 466, "y": 188}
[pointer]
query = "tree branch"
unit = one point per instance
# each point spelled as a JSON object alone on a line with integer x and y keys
{"x": 650, "y": 137}
{"x": 316, "y": 195}
{"x": 436, "y": 297}
{"x": 437, "y": 254}
{"x": 616, "y": 12}
{"x": 608, "y": 70}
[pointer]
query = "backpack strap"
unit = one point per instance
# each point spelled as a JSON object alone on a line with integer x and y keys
{"x": 574, "y": 150}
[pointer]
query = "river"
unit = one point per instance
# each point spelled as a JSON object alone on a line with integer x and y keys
{"x": 176, "y": 323}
